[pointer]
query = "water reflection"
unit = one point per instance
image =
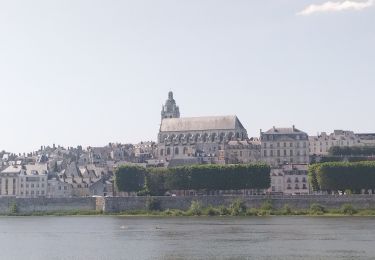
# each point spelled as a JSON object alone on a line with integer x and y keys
{"x": 187, "y": 238}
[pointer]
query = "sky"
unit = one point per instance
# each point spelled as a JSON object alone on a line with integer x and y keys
{"x": 89, "y": 72}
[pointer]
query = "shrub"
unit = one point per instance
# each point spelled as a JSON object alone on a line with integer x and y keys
{"x": 212, "y": 211}
{"x": 153, "y": 204}
{"x": 348, "y": 209}
{"x": 266, "y": 206}
{"x": 287, "y": 210}
{"x": 237, "y": 208}
{"x": 252, "y": 212}
{"x": 224, "y": 211}
{"x": 195, "y": 208}
{"x": 317, "y": 209}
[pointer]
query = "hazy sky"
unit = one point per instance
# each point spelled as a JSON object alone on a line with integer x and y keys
{"x": 91, "y": 72}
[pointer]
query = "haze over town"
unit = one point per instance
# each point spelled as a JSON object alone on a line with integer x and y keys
{"x": 80, "y": 73}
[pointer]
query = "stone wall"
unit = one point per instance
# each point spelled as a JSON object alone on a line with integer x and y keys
{"x": 117, "y": 204}
{"x": 30, "y": 205}
{"x": 120, "y": 204}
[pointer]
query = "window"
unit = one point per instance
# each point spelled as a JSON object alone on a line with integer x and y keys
{"x": 291, "y": 152}
{"x": 278, "y": 153}
{"x": 168, "y": 151}
{"x": 65, "y": 187}
{"x": 176, "y": 150}
{"x": 162, "y": 152}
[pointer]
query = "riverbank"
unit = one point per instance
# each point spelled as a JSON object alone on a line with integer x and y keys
{"x": 192, "y": 205}
{"x": 236, "y": 209}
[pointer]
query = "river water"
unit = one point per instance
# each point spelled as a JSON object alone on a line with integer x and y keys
{"x": 104, "y": 237}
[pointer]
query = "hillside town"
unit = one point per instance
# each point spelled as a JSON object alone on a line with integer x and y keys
{"x": 64, "y": 172}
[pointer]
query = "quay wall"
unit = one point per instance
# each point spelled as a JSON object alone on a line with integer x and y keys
{"x": 31, "y": 205}
{"x": 121, "y": 204}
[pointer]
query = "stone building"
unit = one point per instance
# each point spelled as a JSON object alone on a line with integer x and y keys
{"x": 9, "y": 180}
{"x": 197, "y": 137}
{"x": 290, "y": 179}
{"x": 181, "y": 138}
{"x": 245, "y": 151}
{"x": 25, "y": 181}
{"x": 284, "y": 146}
{"x": 320, "y": 144}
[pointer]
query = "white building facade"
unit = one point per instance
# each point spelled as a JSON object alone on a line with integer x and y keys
{"x": 284, "y": 146}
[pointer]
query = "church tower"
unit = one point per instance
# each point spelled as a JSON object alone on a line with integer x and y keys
{"x": 170, "y": 109}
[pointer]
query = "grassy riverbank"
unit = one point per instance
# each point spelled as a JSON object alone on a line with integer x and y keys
{"x": 237, "y": 208}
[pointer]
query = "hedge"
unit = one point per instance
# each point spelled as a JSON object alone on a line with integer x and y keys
{"x": 352, "y": 151}
{"x": 341, "y": 176}
{"x": 156, "y": 181}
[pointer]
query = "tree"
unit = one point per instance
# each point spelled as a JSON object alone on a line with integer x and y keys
{"x": 130, "y": 178}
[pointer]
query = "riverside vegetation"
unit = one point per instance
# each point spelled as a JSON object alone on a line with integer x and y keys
{"x": 236, "y": 208}
{"x": 239, "y": 208}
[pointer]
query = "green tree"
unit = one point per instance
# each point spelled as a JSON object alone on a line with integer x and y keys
{"x": 130, "y": 178}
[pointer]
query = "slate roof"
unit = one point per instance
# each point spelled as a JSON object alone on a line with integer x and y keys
{"x": 200, "y": 123}
{"x": 281, "y": 130}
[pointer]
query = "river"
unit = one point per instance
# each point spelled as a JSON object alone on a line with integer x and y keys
{"x": 107, "y": 237}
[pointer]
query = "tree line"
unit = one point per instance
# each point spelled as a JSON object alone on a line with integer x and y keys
{"x": 342, "y": 176}
{"x": 157, "y": 181}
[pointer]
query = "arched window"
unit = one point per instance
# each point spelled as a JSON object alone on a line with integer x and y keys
{"x": 168, "y": 151}
{"x": 176, "y": 150}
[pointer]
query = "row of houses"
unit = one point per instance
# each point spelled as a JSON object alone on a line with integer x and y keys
{"x": 37, "y": 180}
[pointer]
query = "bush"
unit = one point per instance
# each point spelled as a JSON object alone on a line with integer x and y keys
{"x": 287, "y": 210}
{"x": 348, "y": 209}
{"x": 237, "y": 208}
{"x": 153, "y": 204}
{"x": 316, "y": 209}
{"x": 195, "y": 208}
{"x": 210, "y": 211}
{"x": 252, "y": 212}
{"x": 224, "y": 211}
{"x": 266, "y": 206}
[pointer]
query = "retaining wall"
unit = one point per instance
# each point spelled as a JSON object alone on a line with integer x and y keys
{"x": 30, "y": 205}
{"x": 118, "y": 204}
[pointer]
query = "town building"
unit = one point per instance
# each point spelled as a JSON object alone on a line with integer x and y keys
{"x": 59, "y": 189}
{"x": 26, "y": 181}
{"x": 320, "y": 144}
{"x": 290, "y": 179}
{"x": 284, "y": 146}
{"x": 242, "y": 152}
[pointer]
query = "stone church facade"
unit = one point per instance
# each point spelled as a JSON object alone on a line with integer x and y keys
{"x": 183, "y": 138}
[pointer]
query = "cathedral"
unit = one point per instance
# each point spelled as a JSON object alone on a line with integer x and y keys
{"x": 195, "y": 137}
